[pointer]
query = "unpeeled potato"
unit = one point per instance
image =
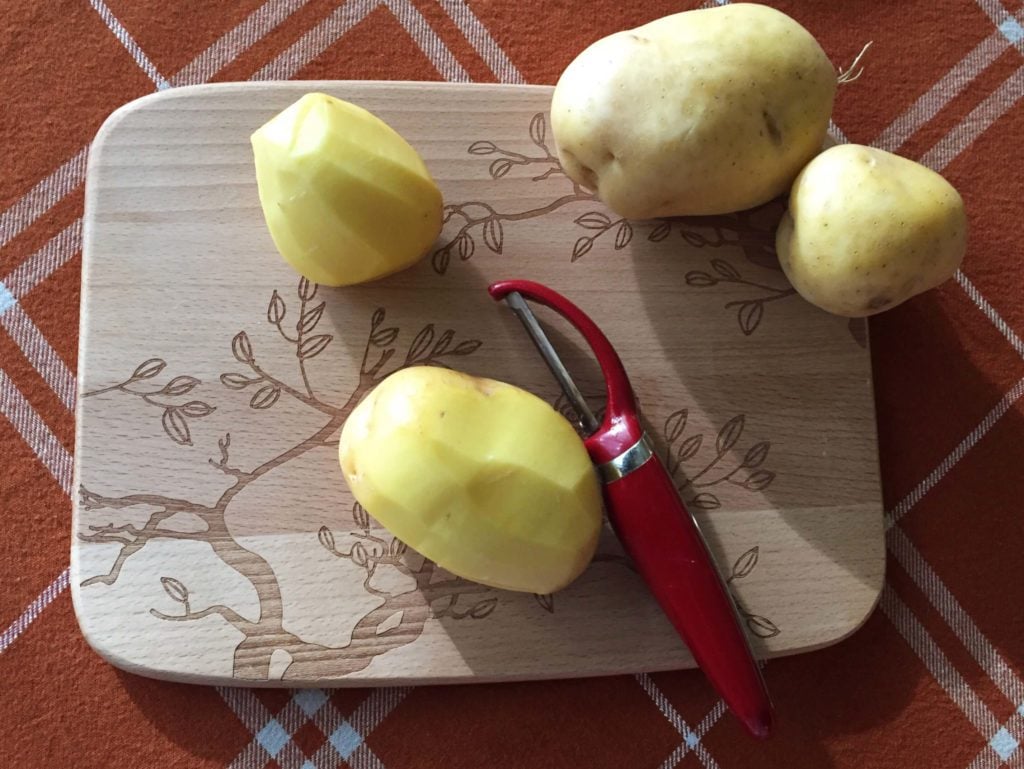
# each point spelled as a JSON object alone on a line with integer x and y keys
{"x": 703, "y": 112}
{"x": 867, "y": 230}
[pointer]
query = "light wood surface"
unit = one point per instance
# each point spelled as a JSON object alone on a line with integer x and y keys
{"x": 215, "y": 540}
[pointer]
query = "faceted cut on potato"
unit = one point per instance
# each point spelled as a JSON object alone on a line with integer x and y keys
{"x": 480, "y": 476}
{"x": 345, "y": 197}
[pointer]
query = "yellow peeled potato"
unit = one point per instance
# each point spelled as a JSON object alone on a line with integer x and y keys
{"x": 702, "y": 112}
{"x": 346, "y": 199}
{"x": 867, "y": 230}
{"x": 480, "y": 476}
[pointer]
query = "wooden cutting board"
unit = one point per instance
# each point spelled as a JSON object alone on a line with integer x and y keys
{"x": 215, "y": 540}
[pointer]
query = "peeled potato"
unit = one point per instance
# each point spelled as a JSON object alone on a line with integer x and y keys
{"x": 867, "y": 230}
{"x": 702, "y": 112}
{"x": 480, "y": 476}
{"x": 346, "y": 199}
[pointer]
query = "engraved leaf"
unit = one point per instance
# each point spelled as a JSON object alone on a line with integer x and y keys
{"x": 276, "y": 309}
{"x": 859, "y": 331}
{"x": 196, "y": 409}
{"x": 314, "y": 345}
{"x": 483, "y": 608}
{"x": 675, "y": 424}
{"x": 538, "y": 129}
{"x": 494, "y": 235}
{"x": 660, "y": 232}
{"x": 419, "y": 345}
{"x": 749, "y": 316}
{"x": 359, "y": 555}
{"x": 546, "y": 601}
{"x": 466, "y": 246}
{"x": 745, "y": 563}
{"x": 175, "y": 589}
{"x": 149, "y": 369}
{"x": 623, "y": 235}
{"x": 694, "y": 238}
{"x": 326, "y": 538}
{"x": 310, "y": 318}
{"x": 482, "y": 148}
{"x": 442, "y": 343}
{"x": 180, "y": 385}
{"x": 689, "y": 447}
{"x": 725, "y": 269}
{"x": 699, "y": 279}
{"x": 500, "y": 167}
{"x": 759, "y": 479}
{"x": 307, "y": 289}
{"x": 468, "y": 347}
{"x": 705, "y": 501}
{"x": 241, "y": 348}
{"x": 235, "y": 381}
{"x": 593, "y": 220}
{"x": 378, "y": 317}
{"x": 441, "y": 259}
{"x": 762, "y": 627}
{"x": 176, "y": 427}
{"x": 397, "y": 547}
{"x": 730, "y": 433}
{"x": 756, "y": 454}
{"x": 583, "y": 245}
{"x": 265, "y": 397}
{"x": 385, "y": 336}
{"x": 360, "y": 516}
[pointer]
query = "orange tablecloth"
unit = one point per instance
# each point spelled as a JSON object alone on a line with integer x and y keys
{"x": 935, "y": 678}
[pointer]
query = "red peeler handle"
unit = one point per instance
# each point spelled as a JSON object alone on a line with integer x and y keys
{"x": 663, "y": 540}
{"x": 658, "y": 532}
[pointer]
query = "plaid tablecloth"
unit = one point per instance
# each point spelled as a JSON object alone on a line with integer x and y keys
{"x": 935, "y": 678}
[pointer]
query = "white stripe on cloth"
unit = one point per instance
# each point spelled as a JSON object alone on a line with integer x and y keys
{"x": 428, "y": 40}
{"x": 44, "y": 196}
{"x": 124, "y": 36}
{"x": 959, "y": 451}
{"x": 233, "y": 43}
{"x": 33, "y": 610}
{"x": 958, "y": 619}
{"x": 995, "y": 105}
{"x": 929, "y": 104}
{"x": 35, "y": 432}
{"x": 938, "y": 664}
{"x": 54, "y": 254}
{"x": 990, "y": 312}
{"x": 60, "y": 183}
{"x": 482, "y": 41}
{"x": 40, "y": 353}
{"x": 691, "y": 737}
{"x": 316, "y": 41}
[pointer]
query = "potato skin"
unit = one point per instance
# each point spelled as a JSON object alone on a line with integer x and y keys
{"x": 867, "y": 230}
{"x": 702, "y": 112}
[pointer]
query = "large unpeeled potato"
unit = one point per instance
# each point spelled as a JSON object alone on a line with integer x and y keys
{"x": 867, "y": 230}
{"x": 482, "y": 477}
{"x": 702, "y": 112}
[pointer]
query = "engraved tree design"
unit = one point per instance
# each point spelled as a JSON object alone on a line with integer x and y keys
{"x": 265, "y": 634}
{"x": 174, "y": 417}
{"x": 751, "y": 231}
{"x": 401, "y": 613}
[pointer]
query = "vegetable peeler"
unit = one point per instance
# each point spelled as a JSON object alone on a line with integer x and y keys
{"x": 649, "y": 517}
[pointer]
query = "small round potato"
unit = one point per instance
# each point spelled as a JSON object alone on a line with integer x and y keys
{"x": 702, "y": 112}
{"x": 867, "y": 230}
